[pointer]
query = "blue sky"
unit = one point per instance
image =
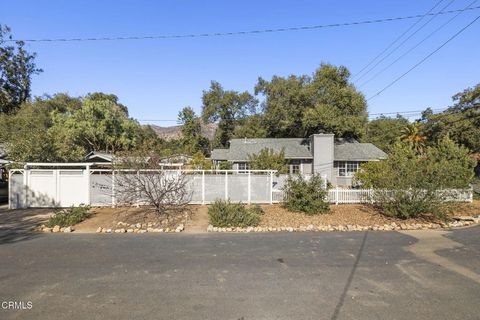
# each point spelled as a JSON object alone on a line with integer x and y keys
{"x": 156, "y": 78}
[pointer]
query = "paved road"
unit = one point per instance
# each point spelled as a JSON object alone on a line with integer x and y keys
{"x": 356, "y": 275}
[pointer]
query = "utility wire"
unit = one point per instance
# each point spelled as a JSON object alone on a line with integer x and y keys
{"x": 395, "y": 41}
{"x": 403, "y": 42}
{"x": 424, "y": 59}
{"x": 235, "y": 33}
{"x": 412, "y": 48}
{"x": 408, "y": 113}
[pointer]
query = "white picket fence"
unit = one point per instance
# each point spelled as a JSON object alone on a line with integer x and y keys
{"x": 352, "y": 196}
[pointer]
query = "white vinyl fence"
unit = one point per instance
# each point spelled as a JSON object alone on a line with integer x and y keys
{"x": 343, "y": 196}
{"x": 71, "y": 186}
{"x": 75, "y": 184}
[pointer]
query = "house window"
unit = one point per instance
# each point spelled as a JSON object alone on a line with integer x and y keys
{"x": 294, "y": 168}
{"x": 347, "y": 168}
{"x": 243, "y": 167}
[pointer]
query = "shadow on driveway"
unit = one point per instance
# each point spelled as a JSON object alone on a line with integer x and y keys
{"x": 18, "y": 225}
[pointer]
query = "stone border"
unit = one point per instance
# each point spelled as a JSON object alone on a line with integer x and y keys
{"x": 460, "y": 222}
{"x": 134, "y": 228}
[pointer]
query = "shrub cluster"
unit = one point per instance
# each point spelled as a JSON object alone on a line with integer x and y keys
{"x": 413, "y": 182}
{"x": 228, "y": 214}
{"x": 308, "y": 196}
{"x": 69, "y": 217}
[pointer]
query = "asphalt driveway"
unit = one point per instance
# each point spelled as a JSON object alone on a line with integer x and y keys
{"x": 355, "y": 275}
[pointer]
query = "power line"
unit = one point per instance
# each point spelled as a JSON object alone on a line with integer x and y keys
{"x": 403, "y": 42}
{"x": 408, "y": 113}
{"x": 235, "y": 33}
{"x": 412, "y": 48}
{"x": 394, "y": 41}
{"x": 424, "y": 59}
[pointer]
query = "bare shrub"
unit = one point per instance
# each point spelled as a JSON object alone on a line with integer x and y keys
{"x": 139, "y": 181}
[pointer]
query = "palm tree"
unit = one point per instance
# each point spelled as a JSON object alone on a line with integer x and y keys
{"x": 412, "y": 134}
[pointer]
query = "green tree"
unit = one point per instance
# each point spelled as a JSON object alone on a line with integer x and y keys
{"x": 199, "y": 162}
{"x": 268, "y": 159}
{"x": 298, "y": 106}
{"x": 384, "y": 132}
{"x": 17, "y": 66}
{"x": 251, "y": 127}
{"x": 25, "y": 134}
{"x": 192, "y": 138}
{"x": 227, "y": 107}
{"x": 412, "y": 134}
{"x": 100, "y": 125}
{"x": 61, "y": 102}
{"x": 460, "y": 122}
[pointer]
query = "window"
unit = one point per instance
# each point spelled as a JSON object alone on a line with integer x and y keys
{"x": 294, "y": 168}
{"x": 243, "y": 167}
{"x": 347, "y": 168}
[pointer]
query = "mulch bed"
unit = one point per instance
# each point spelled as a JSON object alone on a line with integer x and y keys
{"x": 350, "y": 214}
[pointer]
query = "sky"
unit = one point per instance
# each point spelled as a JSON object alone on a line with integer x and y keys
{"x": 156, "y": 78}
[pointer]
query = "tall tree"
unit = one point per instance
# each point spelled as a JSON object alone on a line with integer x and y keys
{"x": 192, "y": 138}
{"x": 17, "y": 66}
{"x": 25, "y": 134}
{"x": 460, "y": 122}
{"x": 100, "y": 125}
{"x": 227, "y": 107}
{"x": 298, "y": 106}
{"x": 384, "y": 132}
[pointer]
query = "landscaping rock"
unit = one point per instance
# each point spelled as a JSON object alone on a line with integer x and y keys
{"x": 68, "y": 229}
{"x": 180, "y": 228}
{"x": 108, "y": 231}
{"x": 129, "y": 230}
{"x": 47, "y": 229}
{"x": 99, "y": 229}
{"x": 56, "y": 228}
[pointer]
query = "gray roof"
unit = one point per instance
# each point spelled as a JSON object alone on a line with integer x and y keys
{"x": 108, "y": 157}
{"x": 295, "y": 148}
{"x": 350, "y": 150}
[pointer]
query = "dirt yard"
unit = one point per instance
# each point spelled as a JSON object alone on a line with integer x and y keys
{"x": 196, "y": 220}
{"x": 344, "y": 214}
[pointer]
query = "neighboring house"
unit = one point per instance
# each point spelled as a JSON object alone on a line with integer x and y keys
{"x": 335, "y": 159}
{"x": 3, "y": 175}
{"x": 106, "y": 160}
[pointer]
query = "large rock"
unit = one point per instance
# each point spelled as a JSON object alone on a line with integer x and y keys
{"x": 68, "y": 229}
{"x": 210, "y": 228}
{"x": 56, "y": 228}
{"x": 180, "y": 228}
{"x": 99, "y": 229}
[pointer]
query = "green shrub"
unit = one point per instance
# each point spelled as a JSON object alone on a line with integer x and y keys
{"x": 227, "y": 214}
{"x": 308, "y": 196}
{"x": 406, "y": 184}
{"x": 69, "y": 217}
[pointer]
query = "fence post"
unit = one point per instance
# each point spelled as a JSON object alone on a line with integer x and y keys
{"x": 336, "y": 195}
{"x": 113, "y": 188}
{"x": 271, "y": 187}
{"x": 203, "y": 186}
{"x": 137, "y": 190}
{"x": 87, "y": 170}
{"x": 249, "y": 188}
{"x": 226, "y": 185}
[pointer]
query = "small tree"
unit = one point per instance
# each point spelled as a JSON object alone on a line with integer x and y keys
{"x": 411, "y": 183}
{"x": 268, "y": 159}
{"x": 138, "y": 180}
{"x": 309, "y": 196}
{"x": 199, "y": 162}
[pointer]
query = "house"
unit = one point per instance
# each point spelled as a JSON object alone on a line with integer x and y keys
{"x": 104, "y": 159}
{"x": 335, "y": 159}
